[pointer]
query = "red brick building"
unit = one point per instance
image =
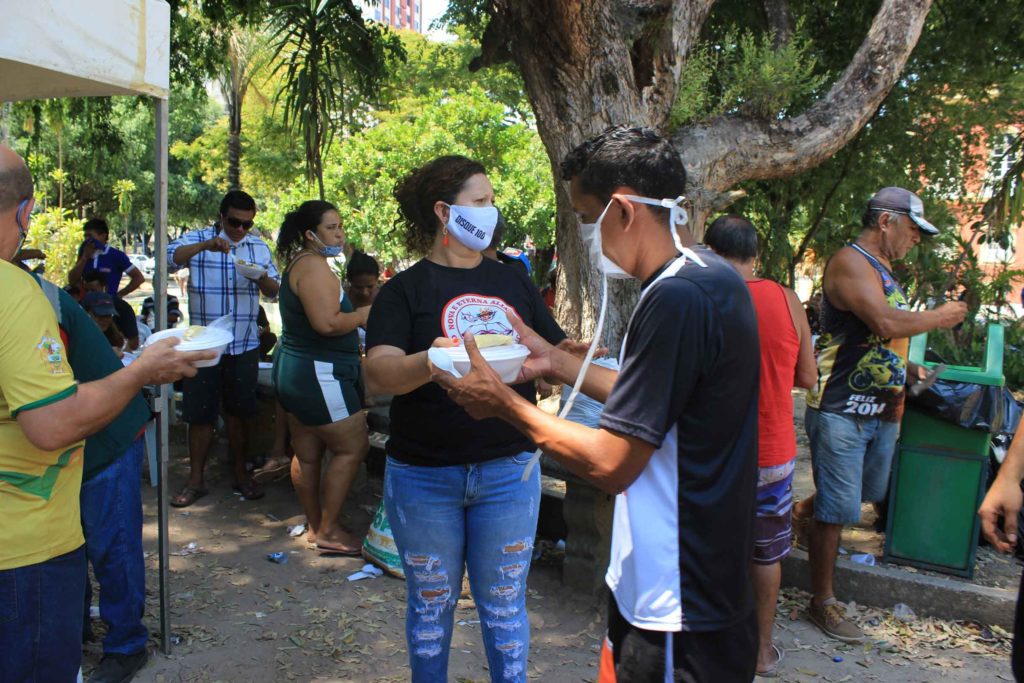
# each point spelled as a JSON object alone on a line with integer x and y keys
{"x": 404, "y": 14}
{"x": 993, "y": 164}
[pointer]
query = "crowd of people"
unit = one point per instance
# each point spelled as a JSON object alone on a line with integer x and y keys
{"x": 695, "y": 439}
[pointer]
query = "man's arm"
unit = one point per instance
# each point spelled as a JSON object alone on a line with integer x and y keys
{"x": 852, "y": 284}
{"x": 86, "y": 254}
{"x": 95, "y": 404}
{"x": 611, "y": 461}
{"x": 806, "y": 371}
{"x": 181, "y": 254}
{"x": 137, "y": 278}
{"x": 1004, "y": 499}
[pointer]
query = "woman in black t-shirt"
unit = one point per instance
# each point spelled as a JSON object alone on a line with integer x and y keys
{"x": 453, "y": 489}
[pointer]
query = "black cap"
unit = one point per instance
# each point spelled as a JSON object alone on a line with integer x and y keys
{"x": 898, "y": 200}
{"x": 98, "y": 303}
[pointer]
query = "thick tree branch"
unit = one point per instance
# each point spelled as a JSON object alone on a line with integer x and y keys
{"x": 494, "y": 42}
{"x": 727, "y": 150}
{"x": 780, "y": 20}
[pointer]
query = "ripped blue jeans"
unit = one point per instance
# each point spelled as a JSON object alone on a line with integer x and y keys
{"x": 481, "y": 515}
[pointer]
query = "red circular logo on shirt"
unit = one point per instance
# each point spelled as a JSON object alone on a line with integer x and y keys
{"x": 477, "y": 314}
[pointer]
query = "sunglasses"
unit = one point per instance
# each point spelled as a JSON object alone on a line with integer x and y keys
{"x": 236, "y": 223}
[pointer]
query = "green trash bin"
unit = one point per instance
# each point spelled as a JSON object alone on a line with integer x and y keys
{"x": 939, "y": 474}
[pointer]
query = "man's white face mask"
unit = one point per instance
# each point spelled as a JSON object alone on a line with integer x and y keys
{"x": 591, "y": 233}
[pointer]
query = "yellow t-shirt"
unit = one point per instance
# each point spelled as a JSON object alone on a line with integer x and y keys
{"x": 39, "y": 514}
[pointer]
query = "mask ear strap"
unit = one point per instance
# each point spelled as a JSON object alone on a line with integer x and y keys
{"x": 17, "y": 216}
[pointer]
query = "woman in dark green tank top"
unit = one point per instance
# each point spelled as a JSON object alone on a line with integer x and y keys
{"x": 316, "y": 372}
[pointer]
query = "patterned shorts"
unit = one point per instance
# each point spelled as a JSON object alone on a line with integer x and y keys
{"x": 773, "y": 526}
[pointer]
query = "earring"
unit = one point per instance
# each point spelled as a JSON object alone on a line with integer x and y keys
{"x": 444, "y": 239}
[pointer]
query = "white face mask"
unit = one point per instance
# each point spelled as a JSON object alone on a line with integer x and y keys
{"x": 472, "y": 226}
{"x": 591, "y": 233}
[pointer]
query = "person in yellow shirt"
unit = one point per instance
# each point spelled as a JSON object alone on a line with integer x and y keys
{"x": 44, "y": 417}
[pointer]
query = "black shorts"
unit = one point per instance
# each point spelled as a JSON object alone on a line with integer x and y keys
{"x": 633, "y": 655}
{"x": 231, "y": 382}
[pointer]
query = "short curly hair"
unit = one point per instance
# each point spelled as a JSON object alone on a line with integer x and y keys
{"x": 438, "y": 180}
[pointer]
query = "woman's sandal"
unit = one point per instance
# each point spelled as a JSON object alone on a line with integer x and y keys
{"x": 324, "y": 548}
{"x": 250, "y": 490}
{"x": 186, "y": 496}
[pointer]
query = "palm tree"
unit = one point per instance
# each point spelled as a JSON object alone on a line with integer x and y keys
{"x": 247, "y": 53}
{"x": 329, "y": 55}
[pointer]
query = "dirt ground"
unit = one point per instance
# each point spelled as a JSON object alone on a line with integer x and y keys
{"x": 238, "y": 617}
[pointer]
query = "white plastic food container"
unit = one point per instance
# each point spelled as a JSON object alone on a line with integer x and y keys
{"x": 211, "y": 339}
{"x": 251, "y": 272}
{"x": 506, "y": 360}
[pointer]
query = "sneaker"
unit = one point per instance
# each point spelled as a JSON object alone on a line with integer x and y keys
{"x": 118, "y": 668}
{"x": 830, "y": 617}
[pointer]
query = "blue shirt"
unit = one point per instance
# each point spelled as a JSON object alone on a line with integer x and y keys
{"x": 112, "y": 263}
{"x": 216, "y": 288}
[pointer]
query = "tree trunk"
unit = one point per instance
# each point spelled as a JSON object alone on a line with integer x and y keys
{"x": 234, "y": 82}
{"x": 591, "y": 64}
{"x": 234, "y": 146}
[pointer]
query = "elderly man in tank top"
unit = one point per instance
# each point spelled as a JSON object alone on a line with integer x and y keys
{"x": 855, "y": 407}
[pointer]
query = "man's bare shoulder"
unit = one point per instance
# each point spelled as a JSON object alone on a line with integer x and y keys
{"x": 847, "y": 262}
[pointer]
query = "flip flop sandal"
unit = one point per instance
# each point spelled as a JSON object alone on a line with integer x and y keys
{"x": 344, "y": 551}
{"x": 186, "y": 496}
{"x": 773, "y": 672}
{"x": 272, "y": 470}
{"x": 249, "y": 490}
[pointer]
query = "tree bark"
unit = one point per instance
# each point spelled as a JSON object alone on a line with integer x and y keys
{"x": 591, "y": 64}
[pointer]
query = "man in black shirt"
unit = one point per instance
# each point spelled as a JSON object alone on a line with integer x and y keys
{"x": 678, "y": 438}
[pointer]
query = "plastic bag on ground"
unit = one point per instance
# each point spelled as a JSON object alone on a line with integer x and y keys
{"x": 379, "y": 545}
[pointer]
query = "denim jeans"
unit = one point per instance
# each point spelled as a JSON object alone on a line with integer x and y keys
{"x": 112, "y": 524}
{"x": 851, "y": 459}
{"x": 484, "y": 516}
{"x": 40, "y": 631}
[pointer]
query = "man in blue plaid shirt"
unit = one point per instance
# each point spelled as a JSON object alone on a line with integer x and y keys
{"x": 216, "y": 288}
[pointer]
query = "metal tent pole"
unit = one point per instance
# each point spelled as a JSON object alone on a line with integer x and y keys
{"x": 162, "y": 402}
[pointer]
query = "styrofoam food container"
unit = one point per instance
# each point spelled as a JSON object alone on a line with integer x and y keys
{"x": 213, "y": 339}
{"x": 506, "y": 360}
{"x": 251, "y": 272}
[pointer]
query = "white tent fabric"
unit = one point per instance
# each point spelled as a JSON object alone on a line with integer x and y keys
{"x": 74, "y": 48}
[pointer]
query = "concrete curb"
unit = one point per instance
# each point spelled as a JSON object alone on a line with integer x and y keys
{"x": 928, "y": 596}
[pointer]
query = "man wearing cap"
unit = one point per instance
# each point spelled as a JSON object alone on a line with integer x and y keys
{"x": 216, "y": 288}
{"x": 146, "y": 319}
{"x": 855, "y": 407}
{"x": 124, "y": 314}
{"x": 100, "y": 307}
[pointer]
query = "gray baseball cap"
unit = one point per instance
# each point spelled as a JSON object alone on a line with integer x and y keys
{"x": 898, "y": 200}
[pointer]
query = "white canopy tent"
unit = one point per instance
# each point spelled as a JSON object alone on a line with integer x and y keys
{"x": 76, "y": 48}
